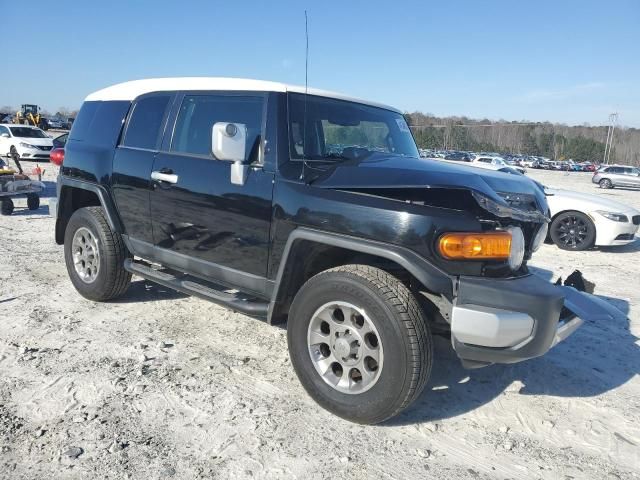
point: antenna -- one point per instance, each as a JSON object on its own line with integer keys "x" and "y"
{"x": 306, "y": 90}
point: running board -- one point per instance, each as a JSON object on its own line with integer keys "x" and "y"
{"x": 191, "y": 285}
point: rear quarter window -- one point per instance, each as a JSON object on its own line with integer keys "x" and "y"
{"x": 99, "y": 123}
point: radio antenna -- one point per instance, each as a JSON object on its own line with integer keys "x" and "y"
{"x": 306, "y": 91}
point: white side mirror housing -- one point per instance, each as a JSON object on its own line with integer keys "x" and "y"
{"x": 229, "y": 141}
{"x": 4, "y": 135}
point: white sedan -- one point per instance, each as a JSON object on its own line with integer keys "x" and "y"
{"x": 24, "y": 142}
{"x": 581, "y": 220}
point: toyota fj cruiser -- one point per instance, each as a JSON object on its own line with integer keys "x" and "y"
{"x": 311, "y": 208}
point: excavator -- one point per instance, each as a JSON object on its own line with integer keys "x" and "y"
{"x": 30, "y": 115}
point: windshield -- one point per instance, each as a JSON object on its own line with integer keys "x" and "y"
{"x": 339, "y": 130}
{"x": 26, "y": 132}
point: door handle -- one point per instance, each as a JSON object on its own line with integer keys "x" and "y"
{"x": 160, "y": 176}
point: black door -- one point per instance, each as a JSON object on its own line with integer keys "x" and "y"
{"x": 201, "y": 221}
{"x": 133, "y": 161}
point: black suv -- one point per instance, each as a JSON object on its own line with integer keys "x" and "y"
{"x": 314, "y": 209}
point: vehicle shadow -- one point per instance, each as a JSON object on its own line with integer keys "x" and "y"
{"x": 584, "y": 365}
{"x": 146, "y": 291}
{"x": 25, "y": 212}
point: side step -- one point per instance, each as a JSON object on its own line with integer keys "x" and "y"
{"x": 199, "y": 288}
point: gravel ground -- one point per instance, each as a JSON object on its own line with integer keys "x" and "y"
{"x": 160, "y": 385}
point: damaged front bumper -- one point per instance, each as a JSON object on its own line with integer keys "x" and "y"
{"x": 510, "y": 320}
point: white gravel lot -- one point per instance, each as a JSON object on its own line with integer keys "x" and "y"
{"x": 159, "y": 385}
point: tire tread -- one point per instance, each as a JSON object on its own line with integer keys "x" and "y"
{"x": 400, "y": 298}
{"x": 115, "y": 252}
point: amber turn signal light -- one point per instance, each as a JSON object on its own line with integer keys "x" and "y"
{"x": 475, "y": 246}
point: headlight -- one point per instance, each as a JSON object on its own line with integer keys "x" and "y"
{"x": 26, "y": 145}
{"x": 516, "y": 257}
{"x": 541, "y": 234}
{"x": 514, "y": 208}
{"x": 506, "y": 245}
{"x": 616, "y": 217}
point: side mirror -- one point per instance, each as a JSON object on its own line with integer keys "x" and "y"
{"x": 4, "y": 135}
{"x": 229, "y": 142}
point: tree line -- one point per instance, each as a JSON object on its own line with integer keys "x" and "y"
{"x": 551, "y": 140}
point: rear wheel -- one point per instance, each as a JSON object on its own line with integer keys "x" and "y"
{"x": 95, "y": 255}
{"x": 359, "y": 343}
{"x": 606, "y": 183}
{"x": 573, "y": 231}
{"x": 6, "y": 206}
{"x": 33, "y": 201}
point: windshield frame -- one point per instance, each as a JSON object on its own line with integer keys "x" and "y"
{"x": 388, "y": 114}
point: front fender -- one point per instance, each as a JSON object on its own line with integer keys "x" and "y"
{"x": 429, "y": 275}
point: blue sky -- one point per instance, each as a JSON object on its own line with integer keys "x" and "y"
{"x": 564, "y": 61}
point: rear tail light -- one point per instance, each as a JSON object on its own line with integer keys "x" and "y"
{"x": 57, "y": 156}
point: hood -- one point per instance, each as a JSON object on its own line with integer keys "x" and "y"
{"x": 43, "y": 142}
{"x": 391, "y": 171}
{"x": 563, "y": 199}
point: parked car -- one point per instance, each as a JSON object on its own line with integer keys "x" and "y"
{"x": 497, "y": 161}
{"x": 24, "y": 142}
{"x": 581, "y": 221}
{"x": 60, "y": 140}
{"x": 458, "y": 156}
{"x": 611, "y": 176}
{"x": 210, "y": 181}
{"x": 55, "y": 123}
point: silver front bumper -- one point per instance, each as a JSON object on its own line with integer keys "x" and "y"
{"x": 487, "y": 335}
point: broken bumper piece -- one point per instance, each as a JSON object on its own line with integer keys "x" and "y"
{"x": 510, "y": 320}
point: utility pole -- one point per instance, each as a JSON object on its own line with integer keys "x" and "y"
{"x": 613, "y": 118}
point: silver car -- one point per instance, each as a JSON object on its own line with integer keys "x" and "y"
{"x": 610, "y": 176}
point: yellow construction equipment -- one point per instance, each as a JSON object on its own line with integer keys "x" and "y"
{"x": 30, "y": 115}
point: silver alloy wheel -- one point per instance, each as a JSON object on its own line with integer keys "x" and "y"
{"x": 86, "y": 256}
{"x": 345, "y": 347}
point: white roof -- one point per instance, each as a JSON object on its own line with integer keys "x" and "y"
{"x": 135, "y": 88}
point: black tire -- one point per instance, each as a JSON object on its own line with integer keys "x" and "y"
{"x": 403, "y": 333}
{"x": 573, "y": 231}
{"x": 112, "y": 279}
{"x": 605, "y": 183}
{"x": 6, "y": 206}
{"x": 33, "y": 201}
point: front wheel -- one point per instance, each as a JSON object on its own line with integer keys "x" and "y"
{"x": 573, "y": 231}
{"x": 95, "y": 255}
{"x": 359, "y": 343}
